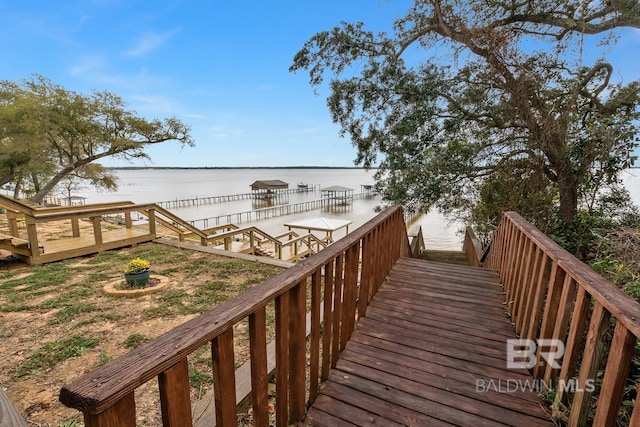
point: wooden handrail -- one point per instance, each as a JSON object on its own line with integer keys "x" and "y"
{"x": 551, "y": 295}
{"x": 416, "y": 243}
{"x": 472, "y": 248}
{"x": 342, "y": 279}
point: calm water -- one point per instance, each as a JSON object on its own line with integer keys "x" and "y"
{"x": 155, "y": 185}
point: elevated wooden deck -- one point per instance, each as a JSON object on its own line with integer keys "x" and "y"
{"x": 431, "y": 350}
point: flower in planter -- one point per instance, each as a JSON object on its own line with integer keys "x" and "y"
{"x": 137, "y": 273}
{"x": 136, "y": 265}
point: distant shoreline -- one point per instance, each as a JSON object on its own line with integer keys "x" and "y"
{"x": 232, "y": 167}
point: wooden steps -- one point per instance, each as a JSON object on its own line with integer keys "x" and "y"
{"x": 449, "y": 257}
{"x": 431, "y": 350}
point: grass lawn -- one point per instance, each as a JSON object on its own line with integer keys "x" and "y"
{"x": 56, "y": 323}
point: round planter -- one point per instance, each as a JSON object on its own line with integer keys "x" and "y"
{"x": 115, "y": 289}
{"x": 138, "y": 280}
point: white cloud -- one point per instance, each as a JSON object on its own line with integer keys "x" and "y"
{"x": 88, "y": 64}
{"x": 154, "y": 104}
{"x": 150, "y": 42}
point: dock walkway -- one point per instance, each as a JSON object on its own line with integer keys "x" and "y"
{"x": 431, "y": 350}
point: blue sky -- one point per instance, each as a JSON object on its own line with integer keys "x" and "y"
{"x": 219, "y": 66}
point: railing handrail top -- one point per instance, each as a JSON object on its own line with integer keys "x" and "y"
{"x": 45, "y": 215}
{"x": 613, "y": 299}
{"x": 100, "y": 388}
{"x": 300, "y": 238}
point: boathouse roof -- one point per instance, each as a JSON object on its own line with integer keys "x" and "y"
{"x": 273, "y": 184}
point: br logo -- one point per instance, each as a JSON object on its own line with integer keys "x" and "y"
{"x": 521, "y": 353}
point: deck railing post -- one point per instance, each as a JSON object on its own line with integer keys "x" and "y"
{"x": 550, "y": 312}
{"x": 613, "y": 383}
{"x": 224, "y": 383}
{"x": 523, "y": 283}
{"x": 259, "y": 380}
{"x": 152, "y": 222}
{"x": 97, "y": 231}
{"x": 575, "y": 340}
{"x": 328, "y": 320}
{"x": 339, "y": 310}
{"x": 529, "y": 291}
{"x": 297, "y": 351}
{"x": 121, "y": 414}
{"x": 565, "y": 310}
{"x": 32, "y": 236}
{"x": 282, "y": 360}
{"x": 314, "y": 336}
{"x": 589, "y": 366}
{"x": 365, "y": 276}
{"x": 75, "y": 227}
{"x": 175, "y": 401}
{"x": 350, "y": 289}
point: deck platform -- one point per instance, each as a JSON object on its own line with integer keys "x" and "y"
{"x": 430, "y": 351}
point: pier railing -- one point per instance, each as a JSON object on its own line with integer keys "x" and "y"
{"x": 567, "y": 313}
{"x": 208, "y": 200}
{"x": 340, "y": 281}
{"x": 271, "y": 212}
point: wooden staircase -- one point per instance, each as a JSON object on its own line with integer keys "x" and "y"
{"x": 262, "y": 251}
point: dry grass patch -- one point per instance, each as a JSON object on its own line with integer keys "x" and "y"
{"x": 56, "y": 323}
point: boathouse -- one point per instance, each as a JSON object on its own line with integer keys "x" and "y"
{"x": 337, "y": 196}
{"x": 269, "y": 188}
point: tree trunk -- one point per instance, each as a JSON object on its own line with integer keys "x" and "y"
{"x": 568, "y": 190}
{"x": 39, "y": 196}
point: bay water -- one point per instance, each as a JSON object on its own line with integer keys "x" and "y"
{"x": 160, "y": 185}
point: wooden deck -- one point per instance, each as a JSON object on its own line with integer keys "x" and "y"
{"x": 431, "y": 350}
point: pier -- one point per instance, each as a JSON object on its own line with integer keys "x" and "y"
{"x": 210, "y": 200}
{"x": 270, "y": 212}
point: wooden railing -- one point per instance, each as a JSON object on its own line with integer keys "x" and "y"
{"x": 341, "y": 280}
{"x": 551, "y": 295}
{"x": 96, "y": 241}
{"x": 298, "y": 246}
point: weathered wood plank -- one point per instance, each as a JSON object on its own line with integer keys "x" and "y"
{"x": 589, "y": 365}
{"x": 436, "y": 392}
{"x": 613, "y": 384}
{"x": 222, "y": 356}
{"x": 448, "y": 314}
{"x": 282, "y": 360}
{"x": 328, "y": 319}
{"x": 379, "y": 405}
{"x": 259, "y": 368}
{"x": 175, "y": 400}
{"x": 416, "y": 358}
{"x": 314, "y": 337}
{"x": 121, "y": 413}
{"x": 297, "y": 352}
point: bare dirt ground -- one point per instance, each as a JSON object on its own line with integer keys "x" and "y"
{"x": 42, "y": 308}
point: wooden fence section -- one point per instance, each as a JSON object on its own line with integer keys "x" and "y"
{"x": 550, "y": 295}
{"x": 341, "y": 280}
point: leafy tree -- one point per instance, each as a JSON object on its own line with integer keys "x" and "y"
{"x": 49, "y": 133}
{"x": 468, "y": 97}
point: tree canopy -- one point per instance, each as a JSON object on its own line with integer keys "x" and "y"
{"x": 469, "y": 97}
{"x": 48, "y": 133}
